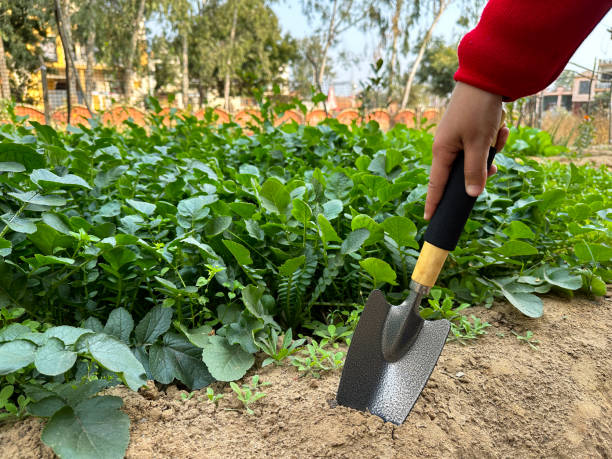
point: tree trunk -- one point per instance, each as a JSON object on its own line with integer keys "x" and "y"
{"x": 328, "y": 42}
{"x": 5, "y": 88}
{"x": 129, "y": 71}
{"x": 66, "y": 24}
{"x": 229, "y": 57}
{"x": 45, "y": 89}
{"x": 89, "y": 72}
{"x": 396, "y": 33}
{"x": 417, "y": 62}
{"x": 185, "y": 71}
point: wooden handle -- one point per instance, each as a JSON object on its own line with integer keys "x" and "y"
{"x": 429, "y": 264}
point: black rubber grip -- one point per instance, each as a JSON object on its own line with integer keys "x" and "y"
{"x": 447, "y": 223}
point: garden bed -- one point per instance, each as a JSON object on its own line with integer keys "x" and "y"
{"x": 496, "y": 398}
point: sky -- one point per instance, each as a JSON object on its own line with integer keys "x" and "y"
{"x": 598, "y": 44}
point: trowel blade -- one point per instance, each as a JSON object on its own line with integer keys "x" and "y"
{"x": 388, "y": 390}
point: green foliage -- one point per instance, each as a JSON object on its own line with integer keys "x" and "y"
{"x": 269, "y": 344}
{"x": 464, "y": 329}
{"x": 212, "y": 397}
{"x": 314, "y": 359}
{"x": 438, "y": 66}
{"x": 249, "y": 393}
{"x": 528, "y": 338}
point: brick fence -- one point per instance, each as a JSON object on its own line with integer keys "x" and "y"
{"x": 118, "y": 114}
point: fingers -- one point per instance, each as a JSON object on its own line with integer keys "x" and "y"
{"x": 443, "y": 158}
{"x": 502, "y": 137}
{"x": 475, "y": 167}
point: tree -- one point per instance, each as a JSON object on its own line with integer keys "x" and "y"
{"x": 438, "y": 67}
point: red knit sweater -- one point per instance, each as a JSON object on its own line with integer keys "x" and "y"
{"x": 519, "y": 47}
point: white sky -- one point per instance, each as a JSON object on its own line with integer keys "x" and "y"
{"x": 597, "y": 46}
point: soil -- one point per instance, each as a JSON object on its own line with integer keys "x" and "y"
{"x": 596, "y": 156}
{"x": 497, "y": 397}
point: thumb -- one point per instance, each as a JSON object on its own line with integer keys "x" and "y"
{"x": 475, "y": 167}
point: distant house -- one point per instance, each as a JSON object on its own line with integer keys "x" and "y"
{"x": 584, "y": 88}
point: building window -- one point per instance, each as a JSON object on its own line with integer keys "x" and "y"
{"x": 584, "y": 87}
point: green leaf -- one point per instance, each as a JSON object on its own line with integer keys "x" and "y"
{"x": 15, "y": 355}
{"x": 44, "y": 260}
{"x": 194, "y": 208}
{"x": 252, "y": 299}
{"x": 592, "y": 252}
{"x": 561, "y": 277}
{"x": 48, "y": 179}
{"x": 354, "y": 241}
{"x": 328, "y": 233}
{"x": 177, "y": 358}
{"x": 217, "y": 225}
{"x": 331, "y": 209}
{"x": 402, "y": 230}
{"x": 224, "y": 361}
{"x": 598, "y": 286}
{"x": 240, "y": 252}
{"x": 254, "y": 230}
{"x": 5, "y": 247}
{"x": 119, "y": 324}
{"x": 33, "y": 197}
{"x": 197, "y": 336}
{"x": 365, "y": 221}
{"x": 518, "y": 230}
{"x": 53, "y": 359}
{"x": 291, "y": 266}
{"x": 119, "y": 256}
{"x": 515, "y": 248}
{"x": 155, "y": 323}
{"x": 527, "y": 303}
{"x": 19, "y": 224}
{"x": 11, "y": 167}
{"x": 243, "y": 209}
{"x": 65, "y": 333}
{"x": 144, "y": 207}
{"x": 301, "y": 211}
{"x": 13, "y": 332}
{"x": 274, "y": 196}
{"x": 22, "y": 154}
{"x": 116, "y": 356}
{"x": 94, "y": 429}
{"x": 380, "y": 271}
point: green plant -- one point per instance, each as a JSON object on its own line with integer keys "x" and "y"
{"x": 314, "y": 359}
{"x": 10, "y": 410}
{"x": 269, "y": 345}
{"x": 464, "y": 329}
{"x": 528, "y": 338}
{"x": 249, "y": 394}
{"x": 212, "y": 397}
{"x": 189, "y": 396}
{"x": 444, "y": 310}
{"x": 331, "y": 334}
{"x": 586, "y": 134}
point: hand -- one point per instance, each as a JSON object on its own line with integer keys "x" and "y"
{"x": 470, "y": 123}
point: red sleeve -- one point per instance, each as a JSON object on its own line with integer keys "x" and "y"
{"x": 519, "y": 47}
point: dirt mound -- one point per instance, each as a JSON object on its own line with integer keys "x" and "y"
{"x": 497, "y": 398}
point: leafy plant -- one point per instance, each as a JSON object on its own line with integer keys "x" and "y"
{"x": 444, "y": 310}
{"x": 528, "y": 338}
{"x": 314, "y": 359}
{"x": 212, "y": 397}
{"x": 464, "y": 329}
{"x": 249, "y": 394}
{"x": 331, "y": 334}
{"x": 276, "y": 354}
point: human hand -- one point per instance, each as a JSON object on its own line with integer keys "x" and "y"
{"x": 470, "y": 123}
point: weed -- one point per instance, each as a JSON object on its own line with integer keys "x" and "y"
{"x": 465, "y": 330}
{"x": 444, "y": 310}
{"x": 248, "y": 394}
{"x": 331, "y": 334}
{"x": 317, "y": 359}
{"x": 212, "y": 397}
{"x": 528, "y": 338}
{"x": 269, "y": 345}
{"x": 185, "y": 397}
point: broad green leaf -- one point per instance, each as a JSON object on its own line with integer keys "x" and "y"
{"x": 402, "y": 230}
{"x": 331, "y": 209}
{"x": 44, "y": 260}
{"x": 145, "y": 207}
{"x": 380, "y": 271}
{"x": 240, "y": 252}
{"x": 119, "y": 324}
{"x": 274, "y": 196}
{"x": 518, "y": 230}
{"x": 15, "y": 355}
{"x": 252, "y": 298}
{"x": 65, "y": 333}
{"x": 5, "y": 247}
{"x": 116, "y": 356}
{"x": 119, "y": 256}
{"x": 53, "y": 359}
{"x": 562, "y": 277}
{"x": 19, "y": 224}
{"x": 22, "y": 154}
{"x": 515, "y": 248}
{"x": 194, "y": 208}
{"x": 205, "y": 247}
{"x": 338, "y": 186}
{"x": 592, "y": 252}
{"x": 365, "y": 221}
{"x": 177, "y": 358}
{"x": 11, "y": 167}
{"x": 243, "y": 209}
{"x": 156, "y": 322}
{"x": 328, "y": 233}
{"x": 217, "y": 225}
{"x": 197, "y": 336}
{"x": 48, "y": 179}
{"x": 224, "y": 361}
{"x": 291, "y": 266}
{"x": 33, "y": 197}
{"x": 598, "y": 286}
{"x": 527, "y": 303}
{"x": 13, "y": 332}
{"x": 94, "y": 429}
{"x": 354, "y": 241}
{"x": 301, "y": 211}
{"x": 254, "y": 230}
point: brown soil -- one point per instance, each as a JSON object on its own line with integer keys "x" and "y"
{"x": 597, "y": 155}
{"x": 495, "y": 398}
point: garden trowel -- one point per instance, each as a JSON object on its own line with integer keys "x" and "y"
{"x": 393, "y": 350}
